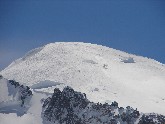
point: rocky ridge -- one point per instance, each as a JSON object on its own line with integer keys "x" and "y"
{"x": 72, "y": 107}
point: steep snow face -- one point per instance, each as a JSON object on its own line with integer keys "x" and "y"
{"x": 103, "y": 73}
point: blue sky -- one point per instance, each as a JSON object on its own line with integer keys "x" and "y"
{"x": 133, "y": 26}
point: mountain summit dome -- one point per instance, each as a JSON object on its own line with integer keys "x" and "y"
{"x": 103, "y": 73}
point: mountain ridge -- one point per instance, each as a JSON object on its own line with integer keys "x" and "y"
{"x": 40, "y": 48}
{"x": 117, "y": 75}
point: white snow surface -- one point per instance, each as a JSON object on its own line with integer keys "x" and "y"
{"x": 12, "y": 118}
{"x": 118, "y": 76}
{"x": 8, "y": 93}
{"x": 44, "y": 84}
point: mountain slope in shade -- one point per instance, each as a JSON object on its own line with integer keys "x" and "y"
{"x": 103, "y": 73}
{"x": 14, "y": 98}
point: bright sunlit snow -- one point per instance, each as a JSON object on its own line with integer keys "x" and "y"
{"x": 103, "y": 73}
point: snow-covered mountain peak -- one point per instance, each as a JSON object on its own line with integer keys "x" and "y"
{"x": 103, "y": 73}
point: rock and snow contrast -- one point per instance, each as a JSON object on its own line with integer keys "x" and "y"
{"x": 14, "y": 97}
{"x": 104, "y": 74}
{"x": 71, "y": 107}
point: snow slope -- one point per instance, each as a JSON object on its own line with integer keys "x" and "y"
{"x": 103, "y": 73}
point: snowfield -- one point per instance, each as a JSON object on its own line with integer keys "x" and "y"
{"x": 103, "y": 73}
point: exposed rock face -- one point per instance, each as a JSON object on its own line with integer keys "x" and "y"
{"x": 24, "y": 91}
{"x": 152, "y": 119}
{"x": 71, "y": 107}
{"x": 65, "y": 106}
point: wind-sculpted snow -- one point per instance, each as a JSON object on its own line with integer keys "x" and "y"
{"x": 14, "y": 98}
{"x": 96, "y": 70}
{"x": 31, "y": 53}
{"x": 71, "y": 107}
{"x": 128, "y": 60}
{"x": 44, "y": 84}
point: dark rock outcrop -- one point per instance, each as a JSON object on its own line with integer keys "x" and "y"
{"x": 152, "y": 118}
{"x": 64, "y": 106}
{"x": 71, "y": 107}
{"x": 24, "y": 91}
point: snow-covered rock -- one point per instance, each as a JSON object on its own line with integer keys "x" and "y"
{"x": 72, "y": 107}
{"x": 14, "y": 98}
{"x": 118, "y": 76}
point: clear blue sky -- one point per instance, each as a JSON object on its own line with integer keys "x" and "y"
{"x": 133, "y": 26}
